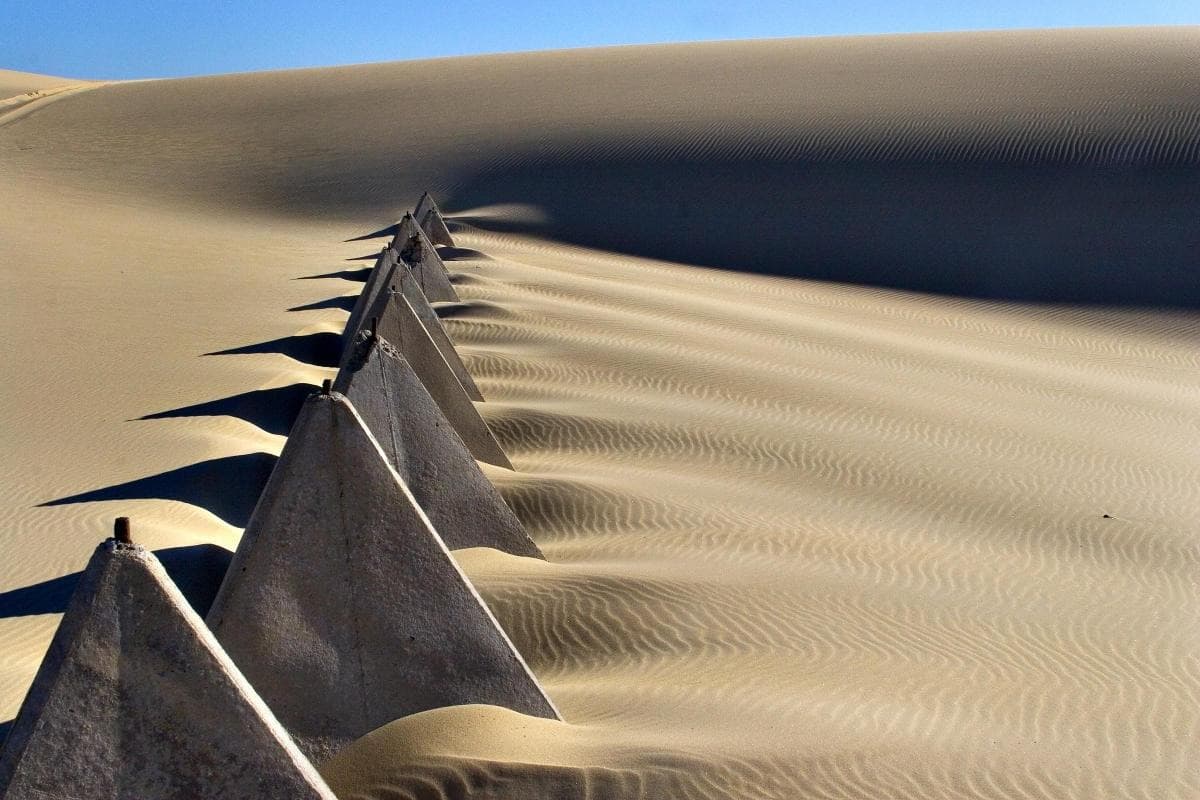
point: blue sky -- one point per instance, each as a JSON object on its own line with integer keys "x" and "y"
{"x": 137, "y": 39}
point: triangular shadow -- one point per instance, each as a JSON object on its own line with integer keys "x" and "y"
{"x": 227, "y": 487}
{"x": 357, "y": 275}
{"x": 390, "y": 230}
{"x": 449, "y": 253}
{"x": 345, "y": 303}
{"x": 322, "y": 349}
{"x": 273, "y": 410}
{"x": 196, "y": 569}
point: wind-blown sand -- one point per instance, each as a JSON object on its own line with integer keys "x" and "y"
{"x": 810, "y": 532}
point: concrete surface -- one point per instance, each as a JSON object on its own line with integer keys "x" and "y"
{"x": 378, "y": 279}
{"x": 342, "y": 605}
{"x": 398, "y": 323}
{"x": 429, "y": 217}
{"x": 135, "y": 699}
{"x": 404, "y": 280}
{"x": 463, "y": 505}
{"x": 415, "y": 249}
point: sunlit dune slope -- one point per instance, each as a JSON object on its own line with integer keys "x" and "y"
{"x": 851, "y": 386}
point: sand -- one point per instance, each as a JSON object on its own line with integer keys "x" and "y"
{"x": 839, "y": 496}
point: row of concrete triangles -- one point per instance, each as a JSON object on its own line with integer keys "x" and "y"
{"x": 342, "y": 607}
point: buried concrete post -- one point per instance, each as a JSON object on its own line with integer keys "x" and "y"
{"x": 135, "y": 698}
{"x": 399, "y": 324}
{"x": 343, "y": 606}
{"x": 429, "y": 217}
{"x": 463, "y": 505}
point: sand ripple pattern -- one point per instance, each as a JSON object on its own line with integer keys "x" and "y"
{"x": 813, "y": 541}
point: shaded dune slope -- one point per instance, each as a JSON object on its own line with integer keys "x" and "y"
{"x": 805, "y": 539}
{"x": 1044, "y": 166}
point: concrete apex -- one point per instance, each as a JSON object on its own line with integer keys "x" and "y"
{"x": 429, "y": 217}
{"x": 422, "y": 446}
{"x": 414, "y": 248}
{"x": 343, "y": 606}
{"x": 135, "y": 698}
{"x": 399, "y": 324}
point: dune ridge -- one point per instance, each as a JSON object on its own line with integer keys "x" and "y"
{"x": 811, "y": 534}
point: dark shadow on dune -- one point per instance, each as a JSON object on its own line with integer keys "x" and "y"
{"x": 358, "y": 275}
{"x": 461, "y": 254}
{"x": 319, "y": 349}
{"x": 390, "y": 230}
{"x": 1053, "y": 232}
{"x": 227, "y": 487}
{"x": 197, "y": 570}
{"x": 5, "y": 727}
{"x": 344, "y": 303}
{"x": 370, "y": 257}
{"x": 273, "y": 410}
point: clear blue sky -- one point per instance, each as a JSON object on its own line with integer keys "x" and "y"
{"x": 140, "y": 39}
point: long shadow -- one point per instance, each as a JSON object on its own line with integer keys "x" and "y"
{"x": 345, "y": 303}
{"x": 358, "y": 275}
{"x": 322, "y": 349}
{"x": 390, "y": 230}
{"x": 227, "y": 487}
{"x": 461, "y": 254}
{"x": 1121, "y": 235}
{"x": 273, "y": 410}
{"x": 196, "y": 569}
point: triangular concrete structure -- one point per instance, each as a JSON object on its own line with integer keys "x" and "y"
{"x": 429, "y": 217}
{"x": 415, "y": 249}
{"x": 406, "y": 282}
{"x": 379, "y": 278}
{"x": 135, "y": 699}
{"x": 342, "y": 605}
{"x": 429, "y": 456}
{"x": 397, "y": 322}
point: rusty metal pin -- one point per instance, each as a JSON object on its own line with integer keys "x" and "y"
{"x": 121, "y": 530}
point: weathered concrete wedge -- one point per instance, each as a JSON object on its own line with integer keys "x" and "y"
{"x": 415, "y": 249}
{"x": 429, "y": 217}
{"x": 342, "y": 604}
{"x": 135, "y": 698}
{"x": 406, "y": 282}
{"x": 429, "y": 456}
{"x": 395, "y": 320}
{"x": 379, "y": 278}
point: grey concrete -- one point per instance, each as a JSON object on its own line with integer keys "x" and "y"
{"x": 404, "y": 280}
{"x": 343, "y": 606}
{"x": 429, "y": 217}
{"x": 398, "y": 323}
{"x": 135, "y": 699}
{"x": 429, "y": 456}
{"x": 415, "y": 249}
{"x": 379, "y": 278}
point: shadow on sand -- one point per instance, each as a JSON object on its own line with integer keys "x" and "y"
{"x": 227, "y": 487}
{"x": 322, "y": 349}
{"x": 197, "y": 570}
{"x": 273, "y": 410}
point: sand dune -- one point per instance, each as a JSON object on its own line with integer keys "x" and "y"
{"x": 809, "y": 531}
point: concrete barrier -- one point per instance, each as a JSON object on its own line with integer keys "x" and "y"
{"x": 343, "y": 606}
{"x": 392, "y": 317}
{"x": 136, "y": 699}
{"x": 429, "y": 217}
{"x": 406, "y": 282}
{"x": 415, "y": 249}
{"x": 422, "y": 446}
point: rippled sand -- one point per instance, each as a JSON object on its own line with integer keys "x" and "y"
{"x": 805, "y": 538}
